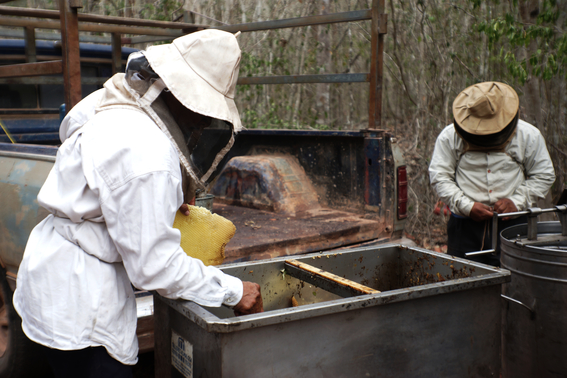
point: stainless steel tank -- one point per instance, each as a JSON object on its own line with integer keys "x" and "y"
{"x": 534, "y": 329}
{"x": 426, "y": 315}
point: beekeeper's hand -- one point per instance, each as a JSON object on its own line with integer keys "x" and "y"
{"x": 251, "y": 301}
{"x": 480, "y": 212}
{"x": 504, "y": 206}
{"x": 184, "y": 209}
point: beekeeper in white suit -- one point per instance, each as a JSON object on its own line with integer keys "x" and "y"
{"x": 129, "y": 160}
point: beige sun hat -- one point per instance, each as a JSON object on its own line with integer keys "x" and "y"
{"x": 485, "y": 108}
{"x": 201, "y": 70}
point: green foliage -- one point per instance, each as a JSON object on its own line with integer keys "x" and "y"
{"x": 514, "y": 36}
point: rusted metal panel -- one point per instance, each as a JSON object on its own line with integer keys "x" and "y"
{"x": 70, "y": 53}
{"x": 262, "y": 234}
{"x": 304, "y": 79}
{"x": 359, "y": 15}
{"x": 32, "y": 69}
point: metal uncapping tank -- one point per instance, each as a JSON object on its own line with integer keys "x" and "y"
{"x": 426, "y": 315}
{"x": 534, "y": 329}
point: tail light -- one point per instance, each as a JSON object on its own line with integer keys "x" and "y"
{"x": 402, "y": 192}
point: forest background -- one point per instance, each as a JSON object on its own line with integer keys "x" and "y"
{"x": 433, "y": 50}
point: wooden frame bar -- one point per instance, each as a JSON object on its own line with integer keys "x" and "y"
{"x": 326, "y": 280}
{"x": 31, "y": 52}
{"x": 376, "y": 65}
{"x": 32, "y": 69}
{"x": 70, "y": 54}
{"x": 99, "y": 19}
{"x": 41, "y": 24}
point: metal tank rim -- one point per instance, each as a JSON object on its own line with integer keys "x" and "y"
{"x": 211, "y": 323}
{"x": 534, "y": 255}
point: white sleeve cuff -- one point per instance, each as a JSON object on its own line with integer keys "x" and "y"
{"x": 234, "y": 291}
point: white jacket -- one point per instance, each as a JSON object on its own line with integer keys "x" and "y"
{"x": 113, "y": 194}
{"x": 523, "y": 172}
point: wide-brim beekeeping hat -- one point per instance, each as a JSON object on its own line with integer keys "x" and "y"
{"x": 486, "y": 108}
{"x": 201, "y": 70}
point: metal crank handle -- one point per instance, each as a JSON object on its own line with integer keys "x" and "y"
{"x": 531, "y": 310}
{"x": 484, "y": 252}
{"x": 494, "y": 237}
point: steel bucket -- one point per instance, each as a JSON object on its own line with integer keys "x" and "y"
{"x": 534, "y": 329}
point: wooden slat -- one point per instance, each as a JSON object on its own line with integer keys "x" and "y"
{"x": 326, "y": 280}
{"x": 31, "y": 51}
{"x": 50, "y": 80}
{"x": 100, "y": 19}
{"x": 70, "y": 53}
{"x": 41, "y": 24}
{"x": 32, "y": 69}
{"x": 116, "y": 53}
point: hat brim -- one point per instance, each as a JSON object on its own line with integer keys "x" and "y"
{"x": 486, "y": 125}
{"x": 189, "y": 88}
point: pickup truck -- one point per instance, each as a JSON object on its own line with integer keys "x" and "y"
{"x": 287, "y": 192}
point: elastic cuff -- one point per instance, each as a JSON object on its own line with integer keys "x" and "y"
{"x": 465, "y": 210}
{"x": 520, "y": 202}
{"x": 234, "y": 291}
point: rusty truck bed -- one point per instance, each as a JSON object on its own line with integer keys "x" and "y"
{"x": 262, "y": 234}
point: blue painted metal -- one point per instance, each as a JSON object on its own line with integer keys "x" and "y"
{"x": 372, "y": 178}
{"x": 26, "y": 111}
{"x": 46, "y": 138}
{"x": 50, "y": 48}
{"x": 302, "y": 133}
{"x": 31, "y": 125}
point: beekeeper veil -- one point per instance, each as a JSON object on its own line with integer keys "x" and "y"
{"x": 200, "y": 70}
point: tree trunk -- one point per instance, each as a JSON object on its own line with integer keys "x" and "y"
{"x": 322, "y": 98}
{"x": 529, "y": 10}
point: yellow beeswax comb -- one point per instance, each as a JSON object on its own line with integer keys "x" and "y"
{"x": 204, "y": 234}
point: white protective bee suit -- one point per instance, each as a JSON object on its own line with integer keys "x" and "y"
{"x": 113, "y": 193}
